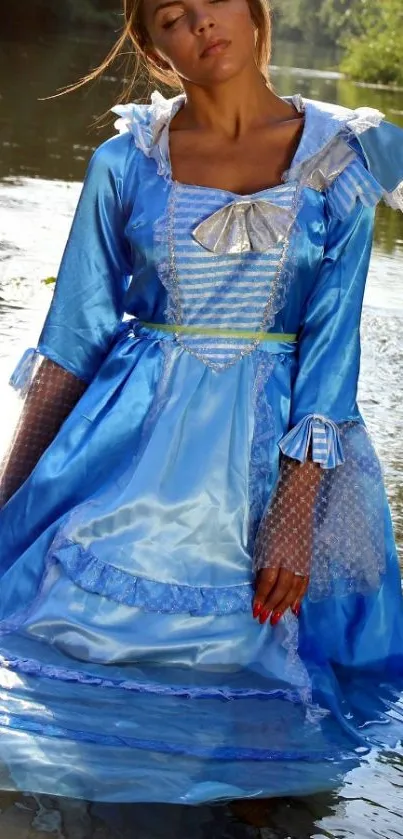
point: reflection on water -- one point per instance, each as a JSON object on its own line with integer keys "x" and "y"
{"x": 44, "y": 147}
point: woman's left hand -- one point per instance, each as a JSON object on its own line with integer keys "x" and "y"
{"x": 277, "y": 590}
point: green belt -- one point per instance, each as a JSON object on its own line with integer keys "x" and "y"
{"x": 212, "y": 332}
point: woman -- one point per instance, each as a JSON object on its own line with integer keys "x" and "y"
{"x": 180, "y": 477}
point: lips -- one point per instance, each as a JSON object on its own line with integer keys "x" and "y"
{"x": 215, "y": 47}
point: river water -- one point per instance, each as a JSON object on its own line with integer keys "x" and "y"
{"x": 44, "y": 148}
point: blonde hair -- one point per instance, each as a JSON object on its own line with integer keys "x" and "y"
{"x": 134, "y": 33}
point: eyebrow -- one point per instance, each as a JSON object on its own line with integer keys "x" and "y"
{"x": 166, "y": 5}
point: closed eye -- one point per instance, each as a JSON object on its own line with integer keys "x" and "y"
{"x": 168, "y": 24}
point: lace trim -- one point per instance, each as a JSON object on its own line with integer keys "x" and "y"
{"x": 395, "y": 199}
{"x": 286, "y": 272}
{"x": 32, "y": 667}
{"x": 260, "y": 471}
{"x": 149, "y": 125}
{"x": 295, "y": 670}
{"x": 320, "y": 432}
{"x": 164, "y": 251}
{"x": 363, "y": 119}
{"x": 98, "y": 577}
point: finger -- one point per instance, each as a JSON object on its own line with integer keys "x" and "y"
{"x": 303, "y": 586}
{"x": 283, "y": 585}
{"x": 266, "y": 579}
{"x": 286, "y": 603}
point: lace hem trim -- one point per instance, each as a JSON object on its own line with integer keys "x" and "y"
{"x": 93, "y": 575}
{"x": 320, "y": 432}
{"x": 32, "y": 667}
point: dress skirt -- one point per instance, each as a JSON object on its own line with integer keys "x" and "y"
{"x": 131, "y": 666}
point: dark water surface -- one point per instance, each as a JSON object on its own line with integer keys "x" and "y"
{"x": 44, "y": 148}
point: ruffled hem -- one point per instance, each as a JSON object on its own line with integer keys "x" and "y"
{"x": 93, "y": 575}
{"x": 320, "y": 432}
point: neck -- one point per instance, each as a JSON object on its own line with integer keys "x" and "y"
{"x": 233, "y": 107}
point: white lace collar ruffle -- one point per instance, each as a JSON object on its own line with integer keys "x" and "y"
{"x": 149, "y": 125}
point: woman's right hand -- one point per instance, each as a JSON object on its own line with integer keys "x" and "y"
{"x": 278, "y": 589}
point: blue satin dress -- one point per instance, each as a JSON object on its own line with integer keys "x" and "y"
{"x": 215, "y": 331}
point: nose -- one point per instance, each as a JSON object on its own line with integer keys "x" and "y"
{"x": 202, "y": 21}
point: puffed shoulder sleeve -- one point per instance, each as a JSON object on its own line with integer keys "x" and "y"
{"x": 87, "y": 305}
{"x": 382, "y": 147}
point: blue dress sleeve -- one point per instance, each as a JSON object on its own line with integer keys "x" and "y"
{"x": 325, "y": 389}
{"x": 88, "y": 301}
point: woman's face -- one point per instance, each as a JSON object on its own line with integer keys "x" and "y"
{"x": 205, "y": 41}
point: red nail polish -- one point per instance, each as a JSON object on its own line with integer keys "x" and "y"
{"x": 276, "y": 616}
{"x": 296, "y": 610}
{"x": 264, "y": 615}
{"x": 257, "y": 609}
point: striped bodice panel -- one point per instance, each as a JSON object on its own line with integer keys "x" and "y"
{"x": 230, "y": 291}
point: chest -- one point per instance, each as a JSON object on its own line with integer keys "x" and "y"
{"x": 205, "y": 279}
{"x": 243, "y": 166}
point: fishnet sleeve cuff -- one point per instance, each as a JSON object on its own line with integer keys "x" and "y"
{"x": 22, "y": 376}
{"x": 27, "y": 367}
{"x": 316, "y": 436}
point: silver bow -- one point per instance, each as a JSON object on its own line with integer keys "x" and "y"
{"x": 244, "y": 225}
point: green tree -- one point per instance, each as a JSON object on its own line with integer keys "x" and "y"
{"x": 376, "y": 55}
{"x": 316, "y": 21}
{"x": 340, "y": 18}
